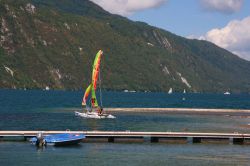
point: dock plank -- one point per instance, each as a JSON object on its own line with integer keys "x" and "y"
{"x": 130, "y": 134}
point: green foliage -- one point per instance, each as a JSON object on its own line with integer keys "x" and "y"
{"x": 56, "y": 45}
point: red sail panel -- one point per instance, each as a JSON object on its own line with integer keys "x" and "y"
{"x": 96, "y": 69}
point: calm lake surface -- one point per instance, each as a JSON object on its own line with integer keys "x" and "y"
{"x": 54, "y": 110}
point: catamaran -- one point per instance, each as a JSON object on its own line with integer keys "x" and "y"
{"x": 95, "y": 111}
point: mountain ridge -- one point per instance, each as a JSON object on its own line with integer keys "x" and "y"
{"x": 53, "y": 43}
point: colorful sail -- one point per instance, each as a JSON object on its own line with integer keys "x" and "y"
{"x": 95, "y": 74}
{"x": 96, "y": 68}
{"x": 93, "y": 85}
{"x": 94, "y": 102}
{"x": 86, "y": 94}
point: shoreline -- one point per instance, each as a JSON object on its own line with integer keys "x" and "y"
{"x": 181, "y": 110}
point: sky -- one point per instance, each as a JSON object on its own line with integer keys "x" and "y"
{"x": 223, "y": 22}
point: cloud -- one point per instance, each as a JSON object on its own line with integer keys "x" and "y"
{"x": 127, "y": 7}
{"x": 223, "y": 6}
{"x": 235, "y": 37}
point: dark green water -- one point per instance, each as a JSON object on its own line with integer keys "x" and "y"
{"x": 125, "y": 154}
{"x": 54, "y": 110}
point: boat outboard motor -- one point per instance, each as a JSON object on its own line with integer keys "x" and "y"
{"x": 40, "y": 141}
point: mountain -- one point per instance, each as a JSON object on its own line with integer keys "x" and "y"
{"x": 53, "y": 43}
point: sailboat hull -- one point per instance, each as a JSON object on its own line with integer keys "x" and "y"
{"x": 93, "y": 115}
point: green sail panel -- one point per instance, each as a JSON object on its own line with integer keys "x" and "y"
{"x": 86, "y": 94}
{"x": 94, "y": 102}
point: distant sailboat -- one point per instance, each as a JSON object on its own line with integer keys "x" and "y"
{"x": 170, "y": 91}
{"x": 184, "y": 92}
{"x": 227, "y": 93}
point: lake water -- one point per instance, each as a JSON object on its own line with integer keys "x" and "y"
{"x": 54, "y": 110}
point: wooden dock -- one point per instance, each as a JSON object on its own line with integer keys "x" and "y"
{"x": 129, "y": 136}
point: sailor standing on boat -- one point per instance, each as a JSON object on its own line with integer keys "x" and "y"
{"x": 100, "y": 111}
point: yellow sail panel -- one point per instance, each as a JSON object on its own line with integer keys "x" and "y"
{"x": 86, "y": 94}
{"x": 96, "y": 68}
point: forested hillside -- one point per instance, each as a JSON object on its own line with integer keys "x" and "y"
{"x": 53, "y": 43}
